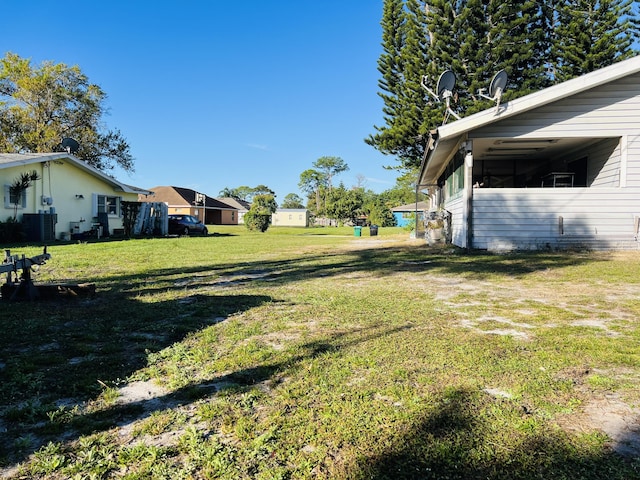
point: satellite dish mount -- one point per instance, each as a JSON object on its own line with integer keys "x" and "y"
{"x": 497, "y": 86}
{"x": 444, "y": 92}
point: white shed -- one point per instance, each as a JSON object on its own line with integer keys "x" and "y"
{"x": 559, "y": 168}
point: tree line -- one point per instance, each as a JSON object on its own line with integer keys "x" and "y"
{"x": 328, "y": 203}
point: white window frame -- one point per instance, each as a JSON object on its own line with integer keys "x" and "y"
{"x": 98, "y": 204}
{"x": 7, "y": 199}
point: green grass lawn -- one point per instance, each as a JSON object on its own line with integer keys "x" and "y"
{"x": 312, "y": 353}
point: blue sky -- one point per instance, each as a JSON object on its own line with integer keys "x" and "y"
{"x": 213, "y": 94}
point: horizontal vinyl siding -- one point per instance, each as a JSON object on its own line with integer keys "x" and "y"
{"x": 633, "y": 160}
{"x": 604, "y": 164}
{"x": 528, "y": 219}
{"x": 606, "y": 111}
{"x": 455, "y": 207}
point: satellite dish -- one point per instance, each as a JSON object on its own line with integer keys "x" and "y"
{"x": 445, "y": 85}
{"x": 498, "y": 84}
{"x": 444, "y": 91}
{"x": 70, "y": 145}
{"x": 496, "y": 87}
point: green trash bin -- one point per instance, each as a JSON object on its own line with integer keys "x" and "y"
{"x": 357, "y": 231}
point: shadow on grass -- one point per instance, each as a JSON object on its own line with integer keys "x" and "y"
{"x": 451, "y": 444}
{"x": 61, "y": 354}
{"x": 238, "y": 381}
{"x": 371, "y": 262}
{"x": 57, "y": 354}
{"x": 28, "y": 425}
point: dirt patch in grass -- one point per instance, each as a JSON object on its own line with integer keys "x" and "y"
{"x": 612, "y": 416}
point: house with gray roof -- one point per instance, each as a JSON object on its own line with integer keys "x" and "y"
{"x": 69, "y": 197}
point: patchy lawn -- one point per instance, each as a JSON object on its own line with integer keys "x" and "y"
{"x": 294, "y": 355}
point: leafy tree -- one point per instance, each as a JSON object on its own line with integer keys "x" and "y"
{"x": 329, "y": 167}
{"x": 246, "y": 193}
{"x": 39, "y": 106}
{"x": 344, "y": 205}
{"x": 378, "y": 213}
{"x": 259, "y": 215}
{"x": 312, "y": 182}
{"x": 291, "y": 200}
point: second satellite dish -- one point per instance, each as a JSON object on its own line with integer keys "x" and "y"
{"x": 496, "y": 87}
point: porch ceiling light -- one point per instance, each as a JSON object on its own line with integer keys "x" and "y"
{"x": 527, "y": 141}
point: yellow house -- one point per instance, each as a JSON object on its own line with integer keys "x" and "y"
{"x": 290, "y": 217}
{"x": 70, "y": 197}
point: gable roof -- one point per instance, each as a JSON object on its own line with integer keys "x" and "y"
{"x": 8, "y": 160}
{"x": 236, "y": 203}
{"x": 449, "y": 136}
{"x": 186, "y": 196}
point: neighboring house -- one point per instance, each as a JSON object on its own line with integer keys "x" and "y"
{"x": 186, "y": 201}
{"x": 559, "y": 168}
{"x": 70, "y": 197}
{"x": 242, "y": 206}
{"x": 290, "y": 217}
{"x": 404, "y": 214}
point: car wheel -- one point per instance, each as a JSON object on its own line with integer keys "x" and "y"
{"x": 205, "y": 232}
{"x": 185, "y": 231}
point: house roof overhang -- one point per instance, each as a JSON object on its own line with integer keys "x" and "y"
{"x": 448, "y": 138}
{"x": 8, "y": 160}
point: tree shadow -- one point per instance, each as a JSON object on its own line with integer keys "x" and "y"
{"x": 451, "y": 443}
{"x": 31, "y": 420}
{"x": 64, "y": 353}
{"x": 375, "y": 262}
{"x": 57, "y": 354}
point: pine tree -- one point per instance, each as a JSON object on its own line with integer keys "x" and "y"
{"x": 537, "y": 42}
{"x": 591, "y": 34}
{"x": 402, "y": 65}
{"x": 391, "y": 71}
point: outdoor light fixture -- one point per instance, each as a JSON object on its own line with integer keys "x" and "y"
{"x": 79, "y": 196}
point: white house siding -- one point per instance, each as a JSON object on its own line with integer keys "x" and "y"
{"x": 529, "y": 219}
{"x": 633, "y": 152}
{"x": 455, "y": 207}
{"x": 602, "y": 112}
{"x": 604, "y": 162}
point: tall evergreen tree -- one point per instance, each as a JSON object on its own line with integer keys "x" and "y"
{"x": 391, "y": 71}
{"x": 402, "y": 64}
{"x": 591, "y": 34}
{"x": 537, "y": 42}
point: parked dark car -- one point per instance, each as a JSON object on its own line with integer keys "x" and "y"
{"x": 186, "y": 225}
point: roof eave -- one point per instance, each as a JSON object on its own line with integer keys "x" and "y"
{"x": 454, "y": 132}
